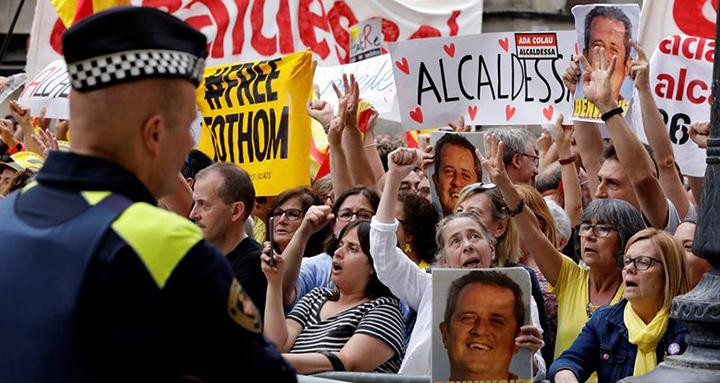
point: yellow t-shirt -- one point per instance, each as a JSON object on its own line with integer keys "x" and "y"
{"x": 571, "y": 290}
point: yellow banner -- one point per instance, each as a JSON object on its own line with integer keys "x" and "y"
{"x": 254, "y": 116}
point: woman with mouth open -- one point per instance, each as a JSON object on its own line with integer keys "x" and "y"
{"x": 606, "y": 225}
{"x": 357, "y": 326}
{"x": 462, "y": 242}
{"x": 633, "y": 336}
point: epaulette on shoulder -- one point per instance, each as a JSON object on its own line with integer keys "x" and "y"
{"x": 159, "y": 237}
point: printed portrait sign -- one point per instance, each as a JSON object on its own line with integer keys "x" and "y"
{"x": 366, "y": 39}
{"x": 253, "y": 115}
{"x": 492, "y": 79}
{"x": 49, "y": 90}
{"x": 457, "y": 165}
{"x": 680, "y": 73}
{"x": 477, "y": 314}
{"x": 612, "y": 27}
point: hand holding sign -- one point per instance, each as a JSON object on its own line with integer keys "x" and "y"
{"x": 563, "y": 137}
{"x": 640, "y": 70}
{"x": 596, "y": 80}
{"x": 572, "y": 74}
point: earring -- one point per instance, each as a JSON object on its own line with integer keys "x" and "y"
{"x": 407, "y": 249}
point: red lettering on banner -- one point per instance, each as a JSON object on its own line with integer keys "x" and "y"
{"x": 307, "y": 21}
{"x": 390, "y": 30}
{"x": 266, "y": 46}
{"x": 340, "y": 10}
{"x": 666, "y": 88}
{"x": 690, "y": 47}
{"x": 688, "y": 15}
{"x": 452, "y": 23}
{"x": 425, "y": 31}
{"x": 238, "y": 32}
{"x": 285, "y": 28}
{"x": 220, "y": 16}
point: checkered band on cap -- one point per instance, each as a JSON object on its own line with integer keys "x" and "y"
{"x": 99, "y": 72}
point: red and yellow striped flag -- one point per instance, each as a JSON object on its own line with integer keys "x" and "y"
{"x": 72, "y": 11}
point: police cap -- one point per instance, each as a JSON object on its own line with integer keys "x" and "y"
{"x": 131, "y": 43}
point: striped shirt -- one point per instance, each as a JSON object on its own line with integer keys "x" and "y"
{"x": 380, "y": 318}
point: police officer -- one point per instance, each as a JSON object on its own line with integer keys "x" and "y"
{"x": 97, "y": 284}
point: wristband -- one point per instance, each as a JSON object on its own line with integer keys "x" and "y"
{"x": 568, "y": 161}
{"x": 606, "y": 116}
{"x": 334, "y": 360}
{"x": 517, "y": 210}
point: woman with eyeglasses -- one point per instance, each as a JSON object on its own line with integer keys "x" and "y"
{"x": 606, "y": 226}
{"x": 630, "y": 338}
{"x": 303, "y": 274}
{"x": 462, "y": 242}
{"x": 288, "y": 210}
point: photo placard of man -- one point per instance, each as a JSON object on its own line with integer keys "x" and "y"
{"x": 612, "y": 28}
{"x": 456, "y": 165}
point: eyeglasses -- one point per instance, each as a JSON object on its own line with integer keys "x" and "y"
{"x": 599, "y": 229}
{"x": 478, "y": 186}
{"x": 641, "y": 263}
{"x": 345, "y": 215}
{"x": 291, "y": 214}
{"x": 536, "y": 158}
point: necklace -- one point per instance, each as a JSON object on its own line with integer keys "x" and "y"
{"x": 589, "y": 307}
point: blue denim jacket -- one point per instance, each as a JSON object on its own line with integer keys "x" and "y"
{"x": 603, "y": 346}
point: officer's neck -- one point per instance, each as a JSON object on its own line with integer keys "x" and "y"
{"x": 232, "y": 239}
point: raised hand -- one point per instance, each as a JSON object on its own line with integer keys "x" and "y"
{"x": 544, "y": 141}
{"x": 596, "y": 80}
{"x": 493, "y": 164}
{"x": 6, "y": 133}
{"x": 45, "y": 140}
{"x": 699, "y": 133}
{"x": 640, "y": 69}
{"x": 351, "y": 95}
{"x": 458, "y": 125}
{"x": 21, "y": 115}
{"x": 317, "y": 217}
{"x": 337, "y": 125}
{"x": 321, "y": 111}
{"x": 572, "y": 74}
{"x": 563, "y": 136}
{"x": 529, "y": 338}
{"x": 402, "y": 161}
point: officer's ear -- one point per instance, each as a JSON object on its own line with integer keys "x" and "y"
{"x": 152, "y": 132}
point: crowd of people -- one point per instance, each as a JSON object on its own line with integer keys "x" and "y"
{"x": 184, "y": 274}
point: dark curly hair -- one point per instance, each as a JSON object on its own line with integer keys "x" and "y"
{"x": 421, "y": 219}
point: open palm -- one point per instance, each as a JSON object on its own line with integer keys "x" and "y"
{"x": 596, "y": 77}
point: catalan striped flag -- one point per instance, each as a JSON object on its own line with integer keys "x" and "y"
{"x": 72, "y": 11}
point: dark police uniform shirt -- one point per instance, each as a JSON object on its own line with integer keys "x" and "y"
{"x": 138, "y": 321}
{"x": 245, "y": 262}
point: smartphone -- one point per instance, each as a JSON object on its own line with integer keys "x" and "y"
{"x": 271, "y": 229}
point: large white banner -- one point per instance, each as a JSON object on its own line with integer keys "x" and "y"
{"x": 48, "y": 90}
{"x": 681, "y": 78}
{"x": 249, "y": 30}
{"x": 662, "y": 18}
{"x": 504, "y": 78}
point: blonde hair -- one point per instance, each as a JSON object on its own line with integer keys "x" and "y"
{"x": 507, "y": 247}
{"x": 672, "y": 255}
{"x": 535, "y": 201}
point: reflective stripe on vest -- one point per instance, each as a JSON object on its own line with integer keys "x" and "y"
{"x": 159, "y": 237}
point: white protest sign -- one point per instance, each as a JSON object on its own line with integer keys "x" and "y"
{"x": 680, "y": 80}
{"x": 662, "y": 18}
{"x": 611, "y": 27}
{"x": 366, "y": 39}
{"x": 491, "y": 79}
{"x": 374, "y": 77}
{"x": 49, "y": 90}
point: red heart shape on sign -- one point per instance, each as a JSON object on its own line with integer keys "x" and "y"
{"x": 417, "y": 115}
{"x": 450, "y": 49}
{"x": 509, "y": 112}
{"x": 472, "y": 111}
{"x": 548, "y": 112}
{"x": 504, "y": 44}
{"x": 403, "y": 66}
